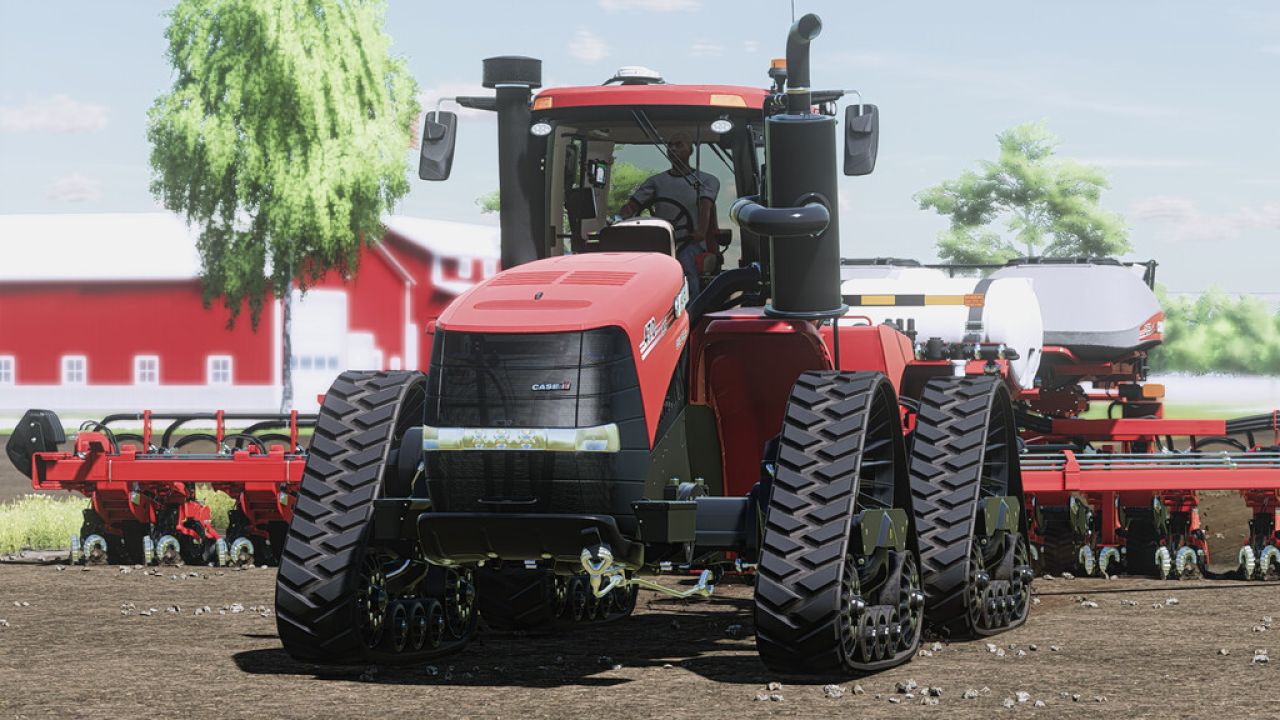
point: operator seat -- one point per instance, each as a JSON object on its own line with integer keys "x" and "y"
{"x": 636, "y": 235}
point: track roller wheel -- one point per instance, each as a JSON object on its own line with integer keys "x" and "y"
{"x": 336, "y": 591}
{"x": 418, "y": 625}
{"x": 967, "y": 492}
{"x": 435, "y": 623}
{"x": 838, "y": 586}
{"x": 579, "y": 603}
{"x": 398, "y": 628}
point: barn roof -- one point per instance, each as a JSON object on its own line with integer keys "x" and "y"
{"x": 161, "y": 246}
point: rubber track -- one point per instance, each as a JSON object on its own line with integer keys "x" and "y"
{"x": 514, "y": 598}
{"x": 798, "y": 580}
{"x": 326, "y": 540}
{"x": 947, "y": 453}
{"x": 1060, "y": 549}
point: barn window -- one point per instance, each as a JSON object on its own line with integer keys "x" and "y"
{"x": 146, "y": 370}
{"x": 7, "y": 373}
{"x": 219, "y": 369}
{"x": 74, "y": 369}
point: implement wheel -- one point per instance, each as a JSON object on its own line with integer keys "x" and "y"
{"x": 838, "y": 585}
{"x": 338, "y": 594}
{"x": 967, "y": 490}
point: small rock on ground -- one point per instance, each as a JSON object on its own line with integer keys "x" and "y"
{"x": 970, "y": 694}
{"x": 835, "y": 692}
{"x": 907, "y": 686}
{"x": 1023, "y": 696}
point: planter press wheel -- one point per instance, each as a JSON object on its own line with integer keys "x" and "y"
{"x": 964, "y": 466}
{"x": 337, "y": 593}
{"x": 831, "y": 598}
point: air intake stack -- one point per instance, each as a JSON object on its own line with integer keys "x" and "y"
{"x": 799, "y": 214}
{"x": 514, "y": 78}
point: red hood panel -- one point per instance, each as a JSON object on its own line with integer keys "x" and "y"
{"x": 573, "y": 292}
{"x": 638, "y": 292}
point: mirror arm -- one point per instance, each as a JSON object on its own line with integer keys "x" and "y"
{"x": 476, "y": 102}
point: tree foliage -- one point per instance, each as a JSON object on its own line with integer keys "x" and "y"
{"x": 283, "y": 138}
{"x": 1218, "y": 333}
{"x": 623, "y": 180}
{"x": 1047, "y": 205}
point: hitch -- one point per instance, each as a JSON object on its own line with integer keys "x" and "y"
{"x": 597, "y": 561}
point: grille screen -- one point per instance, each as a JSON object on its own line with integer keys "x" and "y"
{"x": 573, "y": 379}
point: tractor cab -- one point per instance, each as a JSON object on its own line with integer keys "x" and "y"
{"x": 602, "y": 143}
{"x": 570, "y": 159}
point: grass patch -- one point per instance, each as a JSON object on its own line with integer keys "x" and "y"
{"x": 47, "y": 522}
{"x": 40, "y": 522}
{"x": 219, "y": 504}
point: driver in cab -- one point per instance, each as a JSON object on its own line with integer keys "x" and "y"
{"x": 683, "y": 197}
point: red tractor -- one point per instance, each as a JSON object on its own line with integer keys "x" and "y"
{"x": 588, "y": 423}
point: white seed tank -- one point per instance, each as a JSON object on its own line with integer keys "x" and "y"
{"x": 1007, "y": 312}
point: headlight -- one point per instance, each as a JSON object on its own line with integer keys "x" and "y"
{"x": 601, "y": 438}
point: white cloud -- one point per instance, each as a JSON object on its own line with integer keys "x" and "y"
{"x": 1129, "y": 161}
{"x": 750, "y": 45}
{"x": 75, "y": 188}
{"x": 58, "y": 113}
{"x": 661, "y": 6}
{"x": 587, "y": 46}
{"x": 1185, "y": 221}
{"x": 1001, "y": 83}
{"x": 706, "y": 49}
{"x": 1271, "y": 49}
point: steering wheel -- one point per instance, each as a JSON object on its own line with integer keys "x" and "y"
{"x": 682, "y": 226}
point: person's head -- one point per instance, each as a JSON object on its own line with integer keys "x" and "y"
{"x": 680, "y": 147}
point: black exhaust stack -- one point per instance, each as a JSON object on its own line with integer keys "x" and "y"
{"x": 514, "y": 78}
{"x": 800, "y": 214}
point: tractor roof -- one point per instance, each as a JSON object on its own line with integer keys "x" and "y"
{"x": 728, "y": 97}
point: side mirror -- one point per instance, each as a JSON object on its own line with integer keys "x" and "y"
{"x": 580, "y": 203}
{"x": 861, "y": 139}
{"x": 439, "y": 134}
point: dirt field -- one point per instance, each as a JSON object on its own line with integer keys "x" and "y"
{"x": 73, "y": 651}
{"x": 80, "y": 647}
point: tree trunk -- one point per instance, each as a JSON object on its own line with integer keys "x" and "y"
{"x": 286, "y": 356}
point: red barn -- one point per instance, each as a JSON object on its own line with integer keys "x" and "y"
{"x": 103, "y": 313}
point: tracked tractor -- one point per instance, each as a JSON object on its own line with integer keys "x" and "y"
{"x": 588, "y": 424}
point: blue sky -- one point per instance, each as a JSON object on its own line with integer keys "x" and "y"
{"x": 1176, "y": 100}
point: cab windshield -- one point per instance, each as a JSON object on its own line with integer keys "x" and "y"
{"x": 595, "y": 165}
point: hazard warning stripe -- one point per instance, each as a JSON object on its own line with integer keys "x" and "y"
{"x": 970, "y": 300}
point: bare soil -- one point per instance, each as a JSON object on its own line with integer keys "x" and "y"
{"x": 73, "y": 651}
{"x": 81, "y": 648}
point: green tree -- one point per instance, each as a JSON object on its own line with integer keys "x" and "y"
{"x": 1047, "y": 205}
{"x": 1218, "y": 333}
{"x": 283, "y": 139}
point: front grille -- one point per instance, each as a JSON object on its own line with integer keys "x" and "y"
{"x": 536, "y": 380}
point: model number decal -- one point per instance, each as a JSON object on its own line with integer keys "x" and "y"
{"x": 655, "y": 331}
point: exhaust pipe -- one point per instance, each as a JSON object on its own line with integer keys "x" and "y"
{"x": 800, "y": 216}
{"x": 799, "y": 97}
